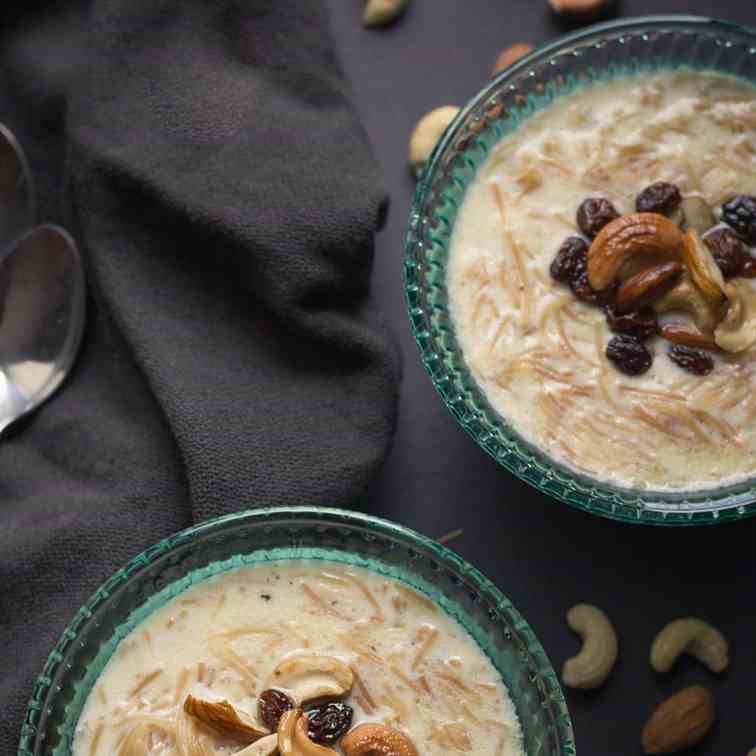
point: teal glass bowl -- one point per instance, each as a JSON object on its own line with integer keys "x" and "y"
{"x": 263, "y": 535}
{"x": 599, "y": 53}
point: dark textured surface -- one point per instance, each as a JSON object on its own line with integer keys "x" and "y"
{"x": 233, "y": 355}
{"x": 544, "y": 556}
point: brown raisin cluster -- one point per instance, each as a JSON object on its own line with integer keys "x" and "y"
{"x": 634, "y": 326}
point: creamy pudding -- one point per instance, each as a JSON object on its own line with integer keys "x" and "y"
{"x": 229, "y": 665}
{"x": 620, "y": 192}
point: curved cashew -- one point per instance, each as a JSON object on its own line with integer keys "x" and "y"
{"x": 293, "y": 739}
{"x": 426, "y": 135}
{"x": 267, "y": 746}
{"x": 627, "y": 237}
{"x": 383, "y": 12}
{"x": 737, "y": 332}
{"x": 371, "y": 739}
{"x": 590, "y": 668}
{"x": 685, "y": 297}
{"x": 703, "y": 269}
{"x": 689, "y": 636}
{"x": 309, "y": 676}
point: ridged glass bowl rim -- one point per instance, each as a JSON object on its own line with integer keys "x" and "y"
{"x": 583, "y": 492}
{"x": 324, "y": 516}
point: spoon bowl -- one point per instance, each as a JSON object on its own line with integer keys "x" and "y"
{"x": 42, "y": 306}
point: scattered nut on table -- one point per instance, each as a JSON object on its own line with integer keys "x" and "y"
{"x": 382, "y": 12}
{"x": 510, "y": 55}
{"x": 426, "y": 135}
{"x": 689, "y": 636}
{"x": 591, "y": 667}
{"x": 579, "y": 6}
{"x": 680, "y": 722}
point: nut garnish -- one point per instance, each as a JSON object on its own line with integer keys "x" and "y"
{"x": 689, "y": 636}
{"x": 370, "y": 739}
{"x": 685, "y": 297}
{"x": 426, "y": 135}
{"x": 510, "y": 55}
{"x": 703, "y": 268}
{"x": 267, "y": 746}
{"x": 293, "y": 739}
{"x": 591, "y": 667}
{"x": 308, "y": 677}
{"x": 679, "y": 722}
{"x": 686, "y": 336}
{"x": 697, "y": 215}
{"x": 737, "y": 332}
{"x": 383, "y": 12}
{"x": 644, "y": 287}
{"x": 640, "y": 235}
{"x": 222, "y": 718}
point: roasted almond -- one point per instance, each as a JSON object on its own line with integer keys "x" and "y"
{"x": 680, "y": 722}
{"x": 646, "y": 236}
{"x": 644, "y": 287}
{"x": 680, "y": 334}
{"x": 222, "y": 718}
{"x": 510, "y": 55}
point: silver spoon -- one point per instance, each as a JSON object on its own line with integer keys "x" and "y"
{"x": 17, "y": 199}
{"x": 42, "y": 304}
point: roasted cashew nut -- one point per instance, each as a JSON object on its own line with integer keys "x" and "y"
{"x": 737, "y": 332}
{"x": 383, "y": 12}
{"x": 267, "y": 746}
{"x": 309, "y": 676}
{"x": 689, "y": 636}
{"x": 685, "y": 297}
{"x": 426, "y": 135}
{"x": 377, "y": 740}
{"x": 293, "y": 739}
{"x": 590, "y": 668}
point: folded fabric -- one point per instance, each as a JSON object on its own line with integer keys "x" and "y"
{"x": 206, "y": 159}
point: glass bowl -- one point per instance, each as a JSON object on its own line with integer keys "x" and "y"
{"x": 599, "y": 53}
{"x": 263, "y": 535}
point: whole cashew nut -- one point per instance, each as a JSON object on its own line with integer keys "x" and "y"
{"x": 266, "y": 746}
{"x": 689, "y": 636}
{"x": 372, "y": 739}
{"x": 310, "y": 676}
{"x": 426, "y": 135}
{"x": 590, "y": 668}
{"x": 383, "y": 12}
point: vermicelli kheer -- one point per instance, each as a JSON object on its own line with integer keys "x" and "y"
{"x": 297, "y": 658}
{"x": 601, "y": 286}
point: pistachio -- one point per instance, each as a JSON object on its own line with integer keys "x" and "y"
{"x": 703, "y": 268}
{"x": 308, "y": 677}
{"x": 642, "y": 288}
{"x": 737, "y": 332}
{"x": 631, "y": 237}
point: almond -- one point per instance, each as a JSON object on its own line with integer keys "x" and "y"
{"x": 680, "y": 334}
{"x": 680, "y": 722}
{"x": 510, "y": 55}
{"x": 644, "y": 287}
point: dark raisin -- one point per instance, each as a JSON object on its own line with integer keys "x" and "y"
{"x": 583, "y": 290}
{"x": 662, "y": 198}
{"x": 570, "y": 260}
{"x": 329, "y": 722}
{"x": 642, "y": 324}
{"x": 593, "y": 214}
{"x": 271, "y": 707}
{"x": 740, "y": 214}
{"x": 628, "y": 354}
{"x": 695, "y": 361}
{"x": 728, "y": 251}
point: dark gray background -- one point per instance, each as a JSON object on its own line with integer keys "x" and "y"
{"x": 543, "y": 555}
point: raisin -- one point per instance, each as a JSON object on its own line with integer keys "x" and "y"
{"x": 628, "y": 354}
{"x": 728, "y": 251}
{"x": 642, "y": 323}
{"x": 695, "y": 361}
{"x": 570, "y": 260}
{"x": 662, "y": 198}
{"x": 593, "y": 214}
{"x": 740, "y": 214}
{"x": 749, "y": 268}
{"x": 329, "y": 722}
{"x": 271, "y": 707}
{"x": 583, "y": 290}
